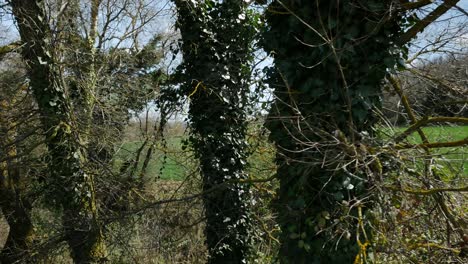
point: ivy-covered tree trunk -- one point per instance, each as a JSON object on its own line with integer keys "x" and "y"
{"x": 330, "y": 59}
{"x": 216, "y": 41}
{"x": 72, "y": 186}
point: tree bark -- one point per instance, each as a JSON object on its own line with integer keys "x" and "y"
{"x": 426, "y": 21}
{"x": 330, "y": 58}
{"x": 217, "y": 70}
{"x": 72, "y": 185}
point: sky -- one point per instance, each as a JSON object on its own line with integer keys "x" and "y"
{"x": 164, "y": 23}
{"x": 165, "y": 20}
{"x": 452, "y": 26}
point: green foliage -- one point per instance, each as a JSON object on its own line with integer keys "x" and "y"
{"x": 216, "y": 45}
{"x": 330, "y": 58}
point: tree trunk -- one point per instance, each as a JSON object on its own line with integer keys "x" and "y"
{"x": 330, "y": 61}
{"x": 216, "y": 53}
{"x": 72, "y": 185}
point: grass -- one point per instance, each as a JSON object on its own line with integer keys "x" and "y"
{"x": 174, "y": 163}
{"x": 168, "y": 162}
{"x": 439, "y": 134}
{"x": 451, "y": 161}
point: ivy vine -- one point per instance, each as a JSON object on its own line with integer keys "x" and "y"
{"x": 330, "y": 59}
{"x": 216, "y": 46}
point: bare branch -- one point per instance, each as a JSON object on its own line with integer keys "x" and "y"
{"x": 9, "y": 48}
{"x": 416, "y": 5}
{"x": 427, "y": 120}
{"x": 428, "y": 192}
{"x": 451, "y": 144}
{"x": 423, "y": 23}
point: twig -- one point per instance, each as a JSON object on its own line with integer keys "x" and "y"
{"x": 423, "y": 23}
{"x": 428, "y": 192}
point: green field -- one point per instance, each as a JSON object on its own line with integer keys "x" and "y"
{"x": 437, "y": 133}
{"x": 178, "y": 163}
{"x": 168, "y": 162}
{"x": 452, "y": 161}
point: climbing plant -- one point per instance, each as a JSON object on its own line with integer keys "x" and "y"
{"x": 73, "y": 186}
{"x": 330, "y": 59}
{"x": 216, "y": 46}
